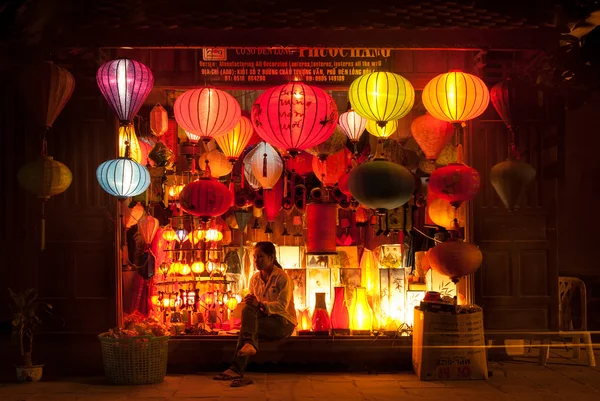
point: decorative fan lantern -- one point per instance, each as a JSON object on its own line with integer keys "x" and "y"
{"x": 353, "y": 125}
{"x": 329, "y": 171}
{"x": 267, "y": 165}
{"x": 159, "y": 120}
{"x": 335, "y": 143}
{"x": 205, "y": 198}
{"x": 381, "y": 96}
{"x": 295, "y": 116}
{"x": 382, "y": 132}
{"x": 455, "y": 259}
{"x": 217, "y": 163}
{"x": 235, "y": 141}
{"x": 207, "y": 112}
{"x": 431, "y": 134}
{"x": 456, "y": 182}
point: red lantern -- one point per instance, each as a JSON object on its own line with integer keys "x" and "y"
{"x": 456, "y": 182}
{"x": 343, "y": 184}
{"x": 329, "y": 171}
{"x": 301, "y": 164}
{"x": 205, "y": 198}
{"x": 125, "y": 84}
{"x": 273, "y": 198}
{"x": 207, "y": 112}
{"x": 512, "y": 99}
{"x": 362, "y": 217}
{"x": 320, "y": 229}
{"x": 147, "y": 227}
{"x": 159, "y": 120}
{"x": 455, "y": 259}
{"x": 432, "y": 135}
{"x": 295, "y": 116}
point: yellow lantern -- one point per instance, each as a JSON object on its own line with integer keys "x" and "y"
{"x": 154, "y": 299}
{"x": 232, "y": 303}
{"x": 304, "y": 320}
{"x": 381, "y": 96}
{"x": 456, "y": 97}
{"x": 267, "y": 165}
{"x": 382, "y": 132}
{"x": 159, "y": 120}
{"x": 185, "y": 269}
{"x": 197, "y": 267}
{"x": 175, "y": 267}
{"x": 127, "y": 134}
{"x": 217, "y": 163}
{"x": 361, "y": 318}
{"x": 213, "y": 235}
{"x": 442, "y": 213}
{"x": 369, "y": 272}
{"x": 169, "y": 234}
{"x": 235, "y": 141}
{"x": 197, "y": 236}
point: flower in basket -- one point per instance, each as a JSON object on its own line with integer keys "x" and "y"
{"x": 136, "y": 324}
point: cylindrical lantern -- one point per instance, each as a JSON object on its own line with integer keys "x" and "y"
{"x": 382, "y": 132}
{"x": 234, "y": 142}
{"x": 267, "y": 165}
{"x": 207, "y": 112}
{"x": 381, "y": 96}
{"x": 123, "y": 178}
{"x": 295, "y": 116}
{"x": 330, "y": 170}
{"x": 455, "y": 259}
{"x": 205, "y": 198}
{"x": 432, "y": 135}
{"x": 217, "y": 163}
{"x": 353, "y": 125}
{"x": 456, "y": 97}
{"x": 159, "y": 120}
{"x": 510, "y": 179}
{"x": 369, "y": 272}
{"x": 125, "y": 84}
{"x": 127, "y": 136}
{"x": 321, "y": 227}
{"x": 335, "y": 143}
{"x": 381, "y": 185}
{"x": 361, "y": 316}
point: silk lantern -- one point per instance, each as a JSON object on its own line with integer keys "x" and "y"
{"x": 273, "y": 199}
{"x": 295, "y": 116}
{"x": 148, "y": 227}
{"x": 234, "y": 142}
{"x": 443, "y": 214}
{"x": 381, "y": 96}
{"x": 127, "y": 137}
{"x": 267, "y": 165}
{"x": 301, "y": 164}
{"x": 456, "y": 97}
{"x": 125, "y": 84}
{"x": 205, "y": 198}
{"x": 131, "y": 216}
{"x": 456, "y": 182}
{"x": 382, "y": 132}
{"x": 361, "y": 315}
{"x": 321, "y": 229}
{"x": 247, "y": 169}
{"x": 512, "y": 99}
{"x": 329, "y": 171}
{"x": 159, "y": 120}
{"x": 455, "y": 259}
{"x": 431, "y": 134}
{"x": 123, "y": 178}
{"x": 511, "y": 179}
{"x": 335, "y": 143}
{"x": 207, "y": 112}
{"x": 217, "y": 163}
{"x": 353, "y": 125}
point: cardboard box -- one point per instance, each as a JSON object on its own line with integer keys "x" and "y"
{"x": 448, "y": 346}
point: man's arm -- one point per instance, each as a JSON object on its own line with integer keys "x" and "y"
{"x": 278, "y": 307}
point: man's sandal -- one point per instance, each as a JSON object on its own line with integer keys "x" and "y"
{"x": 241, "y": 382}
{"x": 226, "y": 377}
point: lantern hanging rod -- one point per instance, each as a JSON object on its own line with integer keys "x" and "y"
{"x": 297, "y": 48}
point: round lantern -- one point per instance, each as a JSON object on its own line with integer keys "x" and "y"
{"x": 217, "y": 163}
{"x": 207, "y": 112}
{"x": 45, "y": 177}
{"x": 432, "y": 135}
{"x": 510, "y": 179}
{"x": 159, "y": 120}
{"x": 267, "y": 165}
{"x": 301, "y": 164}
{"x": 123, "y": 178}
{"x": 382, "y": 132}
{"x": 381, "y": 96}
{"x": 335, "y": 143}
{"x": 295, "y": 116}
{"x": 456, "y": 182}
{"x": 248, "y": 174}
{"x": 127, "y": 136}
{"x": 442, "y": 213}
{"x": 343, "y": 184}
{"x": 205, "y": 198}
{"x": 353, "y": 125}
{"x": 381, "y": 185}
{"x": 329, "y": 171}
{"x": 455, "y": 259}
{"x": 321, "y": 229}
{"x": 235, "y": 141}
{"x": 125, "y": 84}
{"x": 456, "y": 97}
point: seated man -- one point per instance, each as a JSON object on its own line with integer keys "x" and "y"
{"x": 269, "y": 312}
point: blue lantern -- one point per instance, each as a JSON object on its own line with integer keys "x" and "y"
{"x": 123, "y": 177}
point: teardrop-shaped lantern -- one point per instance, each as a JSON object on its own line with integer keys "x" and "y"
{"x": 147, "y": 227}
{"x": 46, "y": 89}
{"x": 455, "y": 259}
{"x": 207, "y": 112}
{"x": 131, "y": 216}
{"x": 353, "y": 125}
{"x": 431, "y": 134}
{"x": 335, "y": 143}
{"x": 512, "y": 99}
{"x": 217, "y": 163}
{"x": 267, "y": 165}
{"x": 127, "y": 136}
{"x": 123, "y": 178}
{"x": 510, "y": 179}
{"x": 382, "y": 132}
{"x": 456, "y": 97}
{"x": 125, "y": 84}
{"x": 159, "y": 120}
{"x": 381, "y": 96}
{"x": 295, "y": 116}
{"x": 235, "y": 141}
{"x": 330, "y": 170}
{"x": 205, "y": 198}
{"x": 248, "y": 174}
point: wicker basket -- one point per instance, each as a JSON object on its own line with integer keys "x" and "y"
{"x": 136, "y": 360}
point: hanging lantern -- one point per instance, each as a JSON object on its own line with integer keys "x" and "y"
{"x": 512, "y": 99}
{"x": 248, "y": 174}
{"x": 353, "y": 125}
{"x": 382, "y": 132}
{"x": 443, "y": 214}
{"x": 511, "y": 179}
{"x": 127, "y": 137}
{"x": 198, "y": 268}
{"x": 455, "y": 182}
{"x": 301, "y": 164}
{"x": 181, "y": 235}
{"x": 329, "y": 171}
{"x": 273, "y": 199}
{"x": 432, "y": 135}
{"x": 343, "y": 184}
{"x": 267, "y": 165}
{"x": 207, "y": 112}
{"x": 217, "y": 163}
{"x": 235, "y": 141}
{"x": 131, "y": 216}
{"x": 147, "y": 227}
{"x": 456, "y": 97}
{"x": 169, "y": 234}
{"x": 362, "y": 217}
{"x": 46, "y": 88}
{"x": 125, "y": 84}
{"x": 295, "y": 116}
{"x": 197, "y": 236}
{"x": 381, "y": 96}
{"x": 159, "y": 120}
{"x": 455, "y": 259}
{"x": 381, "y": 185}
{"x": 335, "y": 143}
{"x": 361, "y": 315}
{"x": 205, "y": 198}
{"x": 123, "y": 178}
{"x": 321, "y": 228}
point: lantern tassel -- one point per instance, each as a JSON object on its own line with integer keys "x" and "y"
{"x": 43, "y": 226}
{"x": 265, "y": 165}
{"x": 513, "y": 144}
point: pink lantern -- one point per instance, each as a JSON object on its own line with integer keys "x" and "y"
{"x": 125, "y": 84}
{"x": 353, "y": 125}
{"x": 207, "y": 112}
{"x": 295, "y": 116}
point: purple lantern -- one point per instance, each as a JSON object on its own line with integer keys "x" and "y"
{"x": 125, "y": 84}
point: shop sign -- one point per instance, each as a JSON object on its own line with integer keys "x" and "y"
{"x": 334, "y": 66}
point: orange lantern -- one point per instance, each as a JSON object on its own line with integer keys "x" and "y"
{"x": 147, "y": 226}
{"x": 217, "y": 163}
{"x": 369, "y": 272}
{"x": 159, "y": 120}
{"x": 304, "y": 320}
{"x": 132, "y": 215}
{"x": 432, "y": 135}
{"x": 329, "y": 171}
{"x": 235, "y": 141}
{"x": 455, "y": 259}
{"x": 197, "y": 267}
{"x": 443, "y": 214}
